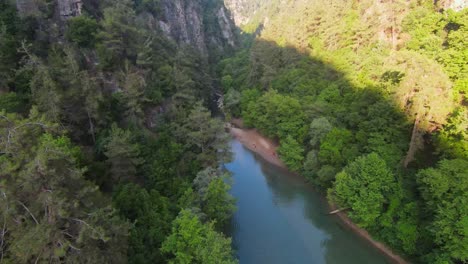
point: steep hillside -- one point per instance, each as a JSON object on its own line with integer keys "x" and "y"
{"x": 368, "y": 100}
{"x": 101, "y": 155}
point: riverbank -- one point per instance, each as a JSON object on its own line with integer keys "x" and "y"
{"x": 267, "y": 149}
{"x": 254, "y": 141}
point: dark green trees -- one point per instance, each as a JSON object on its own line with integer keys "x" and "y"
{"x": 49, "y": 210}
{"x": 82, "y": 30}
{"x": 150, "y": 214}
{"x": 445, "y": 193}
{"x": 292, "y": 153}
{"x": 122, "y": 155}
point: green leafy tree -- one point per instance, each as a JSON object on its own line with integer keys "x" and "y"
{"x": 119, "y": 38}
{"x": 149, "y": 211}
{"x": 445, "y": 192}
{"x": 82, "y": 30}
{"x": 453, "y": 138}
{"x": 205, "y": 136}
{"x": 51, "y": 212}
{"x": 365, "y": 186}
{"x": 214, "y": 198}
{"x": 334, "y": 147}
{"x": 191, "y": 241}
{"x": 123, "y": 156}
{"x": 318, "y": 130}
{"x": 218, "y": 204}
{"x": 292, "y": 153}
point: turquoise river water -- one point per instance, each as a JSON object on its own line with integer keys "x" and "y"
{"x": 281, "y": 219}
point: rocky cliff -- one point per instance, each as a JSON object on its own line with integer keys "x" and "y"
{"x": 64, "y": 8}
{"x": 198, "y": 23}
{"x": 185, "y": 22}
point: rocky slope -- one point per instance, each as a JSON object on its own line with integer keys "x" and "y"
{"x": 181, "y": 20}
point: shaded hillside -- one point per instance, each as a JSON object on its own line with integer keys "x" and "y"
{"x": 368, "y": 101}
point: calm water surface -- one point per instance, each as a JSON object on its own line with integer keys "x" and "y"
{"x": 280, "y": 219}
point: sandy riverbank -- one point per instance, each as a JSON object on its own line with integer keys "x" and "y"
{"x": 267, "y": 149}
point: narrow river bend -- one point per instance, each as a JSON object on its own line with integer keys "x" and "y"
{"x": 280, "y": 219}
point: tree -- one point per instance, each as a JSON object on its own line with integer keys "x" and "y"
{"x": 214, "y": 198}
{"x": 445, "y": 193}
{"x": 205, "y": 136}
{"x": 335, "y": 146}
{"x": 82, "y": 30}
{"x": 453, "y": 138}
{"x": 365, "y": 186}
{"x": 318, "y": 130}
{"x": 276, "y": 115}
{"x": 122, "y": 155}
{"x": 292, "y": 153}
{"x": 133, "y": 84}
{"x": 191, "y": 241}
{"x": 218, "y": 204}
{"x": 149, "y": 211}
{"x": 49, "y": 210}
{"x": 119, "y": 38}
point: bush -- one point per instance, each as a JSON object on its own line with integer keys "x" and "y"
{"x": 82, "y": 30}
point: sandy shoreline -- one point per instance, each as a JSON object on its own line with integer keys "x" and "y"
{"x": 267, "y": 149}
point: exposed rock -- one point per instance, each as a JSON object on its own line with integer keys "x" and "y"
{"x": 456, "y": 5}
{"x": 183, "y": 21}
{"x": 226, "y": 27}
{"x": 65, "y": 8}
{"x": 69, "y": 8}
{"x": 240, "y": 10}
{"x": 27, "y": 7}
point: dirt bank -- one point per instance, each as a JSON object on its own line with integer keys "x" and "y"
{"x": 267, "y": 149}
{"x": 264, "y": 147}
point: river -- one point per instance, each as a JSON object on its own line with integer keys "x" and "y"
{"x": 281, "y": 219}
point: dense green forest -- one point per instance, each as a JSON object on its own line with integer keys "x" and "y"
{"x": 368, "y": 100}
{"x": 108, "y": 149}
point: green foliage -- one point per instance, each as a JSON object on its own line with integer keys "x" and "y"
{"x": 336, "y": 148}
{"x": 64, "y": 217}
{"x": 318, "y": 130}
{"x": 204, "y": 136}
{"x": 218, "y": 204}
{"x": 119, "y": 39}
{"x": 191, "y": 241}
{"x": 445, "y": 192}
{"x": 275, "y": 115}
{"x": 213, "y": 196}
{"x": 453, "y": 138}
{"x": 82, "y": 30}
{"x": 150, "y": 213}
{"x": 365, "y": 186}
{"x": 122, "y": 155}
{"x": 292, "y": 153}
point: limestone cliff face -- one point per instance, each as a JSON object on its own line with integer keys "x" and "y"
{"x": 456, "y": 5}
{"x": 27, "y": 7}
{"x": 241, "y": 10}
{"x": 64, "y": 8}
{"x": 69, "y": 8}
{"x": 184, "y": 21}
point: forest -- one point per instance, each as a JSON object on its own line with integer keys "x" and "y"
{"x": 369, "y": 102}
{"x": 111, "y": 144}
{"x": 108, "y": 149}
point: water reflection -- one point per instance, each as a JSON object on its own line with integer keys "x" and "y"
{"x": 280, "y": 219}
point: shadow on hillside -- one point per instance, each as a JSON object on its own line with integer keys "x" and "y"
{"x": 376, "y": 122}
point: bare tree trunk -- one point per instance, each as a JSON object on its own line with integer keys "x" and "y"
{"x": 414, "y": 143}
{"x": 91, "y": 126}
